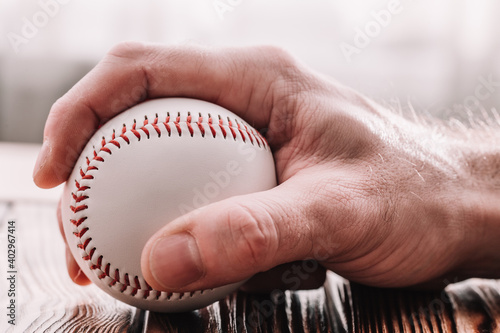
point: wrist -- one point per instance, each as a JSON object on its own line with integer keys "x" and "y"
{"x": 481, "y": 198}
{"x": 482, "y": 258}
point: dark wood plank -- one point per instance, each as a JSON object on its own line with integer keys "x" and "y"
{"x": 304, "y": 311}
{"x": 49, "y": 302}
{"x": 477, "y": 305}
{"x": 341, "y": 306}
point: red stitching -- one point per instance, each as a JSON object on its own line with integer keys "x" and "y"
{"x": 248, "y": 133}
{"x": 241, "y": 132}
{"x": 137, "y": 282}
{"x": 126, "y": 284}
{"x": 133, "y": 130}
{"x": 116, "y": 143}
{"x": 84, "y": 244}
{"x": 106, "y": 270}
{"x": 167, "y": 126}
{"x": 78, "y": 198}
{"x": 104, "y": 148}
{"x": 200, "y": 126}
{"x": 80, "y": 188}
{"x": 155, "y": 126}
{"x": 98, "y": 264}
{"x": 116, "y": 278}
{"x": 113, "y": 141}
{"x": 85, "y": 176}
{"x": 257, "y": 138}
{"x": 147, "y": 291}
{"x": 264, "y": 141}
{"x": 188, "y": 121}
{"x": 137, "y": 286}
{"x": 98, "y": 158}
{"x": 89, "y": 256}
{"x": 148, "y": 287}
{"x": 123, "y": 136}
{"x": 212, "y": 129}
{"x": 77, "y": 223}
{"x": 81, "y": 232}
{"x": 77, "y": 209}
{"x": 143, "y": 128}
{"x": 177, "y": 125}
{"x": 231, "y": 128}
{"x": 221, "y": 125}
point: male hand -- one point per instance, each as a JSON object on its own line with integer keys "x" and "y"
{"x": 362, "y": 191}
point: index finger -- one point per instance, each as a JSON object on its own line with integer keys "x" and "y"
{"x": 131, "y": 72}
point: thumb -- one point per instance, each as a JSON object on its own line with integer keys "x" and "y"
{"x": 227, "y": 242}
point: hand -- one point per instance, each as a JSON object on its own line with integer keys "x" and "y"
{"x": 364, "y": 192}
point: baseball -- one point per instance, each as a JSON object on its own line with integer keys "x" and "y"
{"x": 147, "y": 166}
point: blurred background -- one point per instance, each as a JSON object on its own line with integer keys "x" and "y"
{"x": 440, "y": 57}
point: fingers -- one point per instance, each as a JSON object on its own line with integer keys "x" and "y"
{"x": 59, "y": 220}
{"x": 241, "y": 80}
{"x": 230, "y": 241}
{"x": 74, "y": 271}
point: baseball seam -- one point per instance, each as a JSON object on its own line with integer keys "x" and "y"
{"x": 171, "y": 126}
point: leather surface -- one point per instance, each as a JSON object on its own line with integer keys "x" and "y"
{"x": 129, "y": 192}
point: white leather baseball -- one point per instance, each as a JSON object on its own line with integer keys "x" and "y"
{"x": 146, "y": 167}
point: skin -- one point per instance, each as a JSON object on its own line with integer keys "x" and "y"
{"x": 372, "y": 196}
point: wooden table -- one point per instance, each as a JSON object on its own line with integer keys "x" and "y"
{"x": 47, "y": 301}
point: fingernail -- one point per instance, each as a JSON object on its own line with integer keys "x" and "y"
{"x": 42, "y": 157}
{"x": 175, "y": 261}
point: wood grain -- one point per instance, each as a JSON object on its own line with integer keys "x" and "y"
{"x": 47, "y": 299}
{"x": 49, "y": 302}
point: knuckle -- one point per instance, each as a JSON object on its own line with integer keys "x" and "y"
{"x": 130, "y": 49}
{"x": 288, "y": 69}
{"x": 281, "y": 63}
{"x": 278, "y": 55}
{"x": 62, "y": 104}
{"x": 253, "y": 234}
